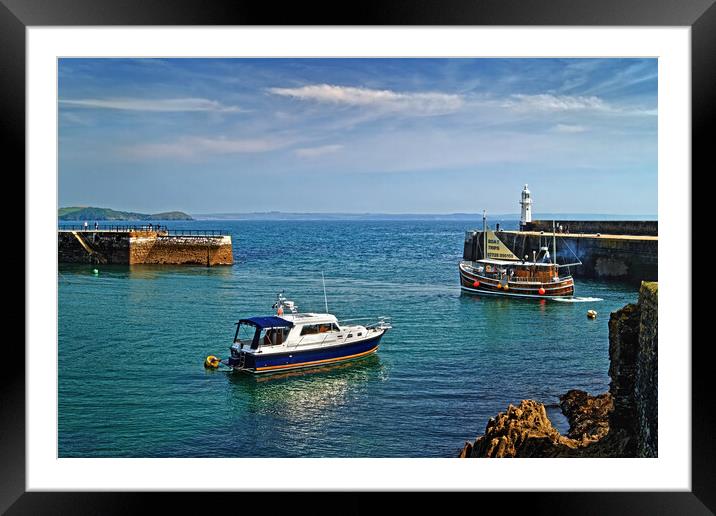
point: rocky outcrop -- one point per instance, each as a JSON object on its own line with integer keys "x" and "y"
{"x": 588, "y": 416}
{"x": 633, "y": 346}
{"x": 523, "y": 430}
{"x": 526, "y": 431}
{"x": 645, "y": 389}
{"x": 620, "y": 423}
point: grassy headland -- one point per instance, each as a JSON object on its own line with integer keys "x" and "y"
{"x": 91, "y": 213}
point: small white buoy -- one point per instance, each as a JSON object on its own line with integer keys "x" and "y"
{"x": 95, "y": 272}
{"x": 592, "y": 314}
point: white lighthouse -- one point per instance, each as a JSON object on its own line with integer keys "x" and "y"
{"x": 526, "y": 203}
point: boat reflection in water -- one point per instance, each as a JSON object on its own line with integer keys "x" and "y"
{"x": 370, "y": 366}
{"x": 303, "y": 398}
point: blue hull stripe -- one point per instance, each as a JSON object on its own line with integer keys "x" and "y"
{"x": 308, "y": 358}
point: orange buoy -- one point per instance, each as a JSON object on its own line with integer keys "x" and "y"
{"x": 499, "y": 285}
{"x": 475, "y": 283}
{"x": 507, "y": 287}
{"x": 541, "y": 291}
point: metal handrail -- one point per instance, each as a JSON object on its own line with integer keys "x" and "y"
{"x": 515, "y": 279}
{"x": 113, "y": 227}
{"x": 198, "y": 232}
{"x": 164, "y": 230}
{"x": 384, "y": 318}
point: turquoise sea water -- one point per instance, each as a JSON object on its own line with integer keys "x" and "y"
{"x": 132, "y": 341}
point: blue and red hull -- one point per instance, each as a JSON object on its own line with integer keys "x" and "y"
{"x": 278, "y": 362}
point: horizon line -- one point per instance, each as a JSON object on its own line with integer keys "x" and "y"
{"x": 273, "y": 212}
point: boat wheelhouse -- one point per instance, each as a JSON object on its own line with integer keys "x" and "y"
{"x": 294, "y": 340}
{"x": 502, "y": 273}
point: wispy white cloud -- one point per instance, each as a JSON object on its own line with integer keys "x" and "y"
{"x": 162, "y": 105}
{"x": 425, "y": 119}
{"x": 312, "y": 152}
{"x": 416, "y": 103}
{"x": 568, "y": 128}
{"x": 549, "y": 102}
{"x": 75, "y": 119}
{"x": 621, "y": 80}
{"x": 185, "y": 148}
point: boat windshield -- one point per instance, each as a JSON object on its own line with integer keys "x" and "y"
{"x": 253, "y": 336}
{"x": 245, "y": 334}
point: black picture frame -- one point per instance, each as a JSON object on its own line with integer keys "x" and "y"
{"x": 700, "y": 15}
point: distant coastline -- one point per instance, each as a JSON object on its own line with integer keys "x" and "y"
{"x": 277, "y": 215}
{"x": 108, "y": 214}
{"x": 92, "y": 213}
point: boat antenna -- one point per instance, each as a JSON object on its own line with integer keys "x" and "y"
{"x": 325, "y": 299}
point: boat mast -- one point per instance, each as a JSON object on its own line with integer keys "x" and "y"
{"x": 484, "y": 236}
{"x": 554, "y": 242}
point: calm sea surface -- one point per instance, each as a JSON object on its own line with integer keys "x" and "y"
{"x": 132, "y": 341}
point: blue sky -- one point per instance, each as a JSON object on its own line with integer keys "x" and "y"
{"x": 358, "y": 135}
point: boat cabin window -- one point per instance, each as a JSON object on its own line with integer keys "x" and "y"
{"x": 312, "y": 329}
{"x": 274, "y": 336}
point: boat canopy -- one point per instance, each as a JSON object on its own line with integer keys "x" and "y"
{"x": 270, "y": 321}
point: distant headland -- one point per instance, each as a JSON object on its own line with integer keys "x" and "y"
{"x": 91, "y": 213}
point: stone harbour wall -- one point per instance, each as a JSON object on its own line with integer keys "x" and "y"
{"x": 209, "y": 250}
{"x": 112, "y": 248}
{"x": 608, "y": 227}
{"x": 145, "y": 247}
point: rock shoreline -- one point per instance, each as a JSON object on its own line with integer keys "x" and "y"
{"x": 618, "y": 423}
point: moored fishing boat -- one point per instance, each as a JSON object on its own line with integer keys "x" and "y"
{"x": 291, "y": 340}
{"x": 500, "y": 272}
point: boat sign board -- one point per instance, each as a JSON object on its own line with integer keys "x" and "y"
{"x": 497, "y": 250}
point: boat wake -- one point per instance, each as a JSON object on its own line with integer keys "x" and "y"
{"x": 577, "y": 299}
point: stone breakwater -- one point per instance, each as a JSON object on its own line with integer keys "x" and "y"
{"x": 143, "y": 247}
{"x": 622, "y": 257}
{"x": 199, "y": 250}
{"x": 619, "y": 423}
{"x": 609, "y": 227}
